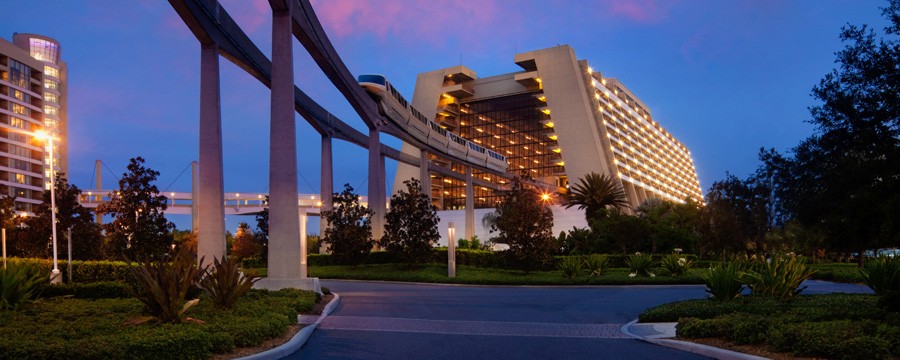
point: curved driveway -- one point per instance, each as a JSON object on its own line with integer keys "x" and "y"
{"x": 423, "y": 321}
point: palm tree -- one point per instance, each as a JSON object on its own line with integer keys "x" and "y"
{"x": 595, "y": 193}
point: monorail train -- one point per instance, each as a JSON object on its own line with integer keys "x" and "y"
{"x": 396, "y": 108}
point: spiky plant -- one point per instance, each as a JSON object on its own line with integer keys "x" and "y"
{"x": 596, "y": 264}
{"x": 723, "y": 283}
{"x": 570, "y": 266}
{"x": 225, "y": 284}
{"x": 882, "y": 275}
{"x": 19, "y": 285}
{"x": 641, "y": 264}
{"x": 163, "y": 287}
{"x": 779, "y": 277}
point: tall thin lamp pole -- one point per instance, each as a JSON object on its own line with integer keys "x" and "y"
{"x": 55, "y": 274}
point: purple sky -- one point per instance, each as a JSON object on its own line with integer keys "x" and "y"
{"x": 725, "y": 77}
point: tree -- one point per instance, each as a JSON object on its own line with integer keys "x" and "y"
{"x": 595, "y": 194}
{"x": 411, "y": 225}
{"x": 844, "y": 178}
{"x": 735, "y": 219}
{"x": 245, "y": 244}
{"x": 618, "y": 231}
{"x": 139, "y": 228}
{"x": 350, "y": 236}
{"x": 185, "y": 238}
{"x": 672, "y": 225}
{"x": 262, "y": 232}
{"x": 86, "y": 234}
{"x": 525, "y": 223}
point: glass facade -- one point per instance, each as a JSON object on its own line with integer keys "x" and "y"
{"x": 515, "y": 126}
{"x": 19, "y": 73}
{"x": 44, "y": 50}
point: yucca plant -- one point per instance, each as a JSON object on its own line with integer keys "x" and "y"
{"x": 225, "y": 284}
{"x": 676, "y": 265}
{"x": 641, "y": 264}
{"x": 779, "y": 277}
{"x": 163, "y": 287}
{"x": 19, "y": 285}
{"x": 570, "y": 267}
{"x": 596, "y": 264}
{"x": 882, "y": 275}
{"x": 723, "y": 282}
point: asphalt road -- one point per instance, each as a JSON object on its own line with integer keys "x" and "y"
{"x": 422, "y": 321}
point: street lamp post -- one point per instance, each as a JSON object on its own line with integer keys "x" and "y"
{"x": 55, "y": 274}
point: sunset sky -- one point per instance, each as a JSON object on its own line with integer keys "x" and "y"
{"x": 725, "y": 77}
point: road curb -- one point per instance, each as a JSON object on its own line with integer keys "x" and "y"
{"x": 296, "y": 342}
{"x": 648, "y": 286}
{"x": 699, "y": 349}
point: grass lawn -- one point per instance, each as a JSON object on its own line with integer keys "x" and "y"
{"x": 833, "y": 326}
{"x": 838, "y": 272}
{"x": 70, "y": 328}
{"x": 486, "y": 276}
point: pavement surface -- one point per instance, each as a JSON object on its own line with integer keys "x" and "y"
{"x": 424, "y": 321}
{"x": 383, "y": 320}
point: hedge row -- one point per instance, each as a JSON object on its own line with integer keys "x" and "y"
{"x": 83, "y": 271}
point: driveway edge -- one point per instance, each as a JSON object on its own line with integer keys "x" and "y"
{"x": 699, "y": 349}
{"x": 296, "y": 342}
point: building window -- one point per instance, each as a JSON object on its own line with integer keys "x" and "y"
{"x": 44, "y": 50}
{"x": 19, "y": 164}
{"x": 21, "y": 109}
{"x": 19, "y": 73}
{"x": 20, "y": 95}
{"x": 50, "y": 110}
{"x": 19, "y": 151}
{"x": 20, "y": 178}
{"x": 51, "y": 97}
{"x": 51, "y": 71}
{"x": 51, "y": 84}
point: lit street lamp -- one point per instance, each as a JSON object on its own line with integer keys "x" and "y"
{"x": 55, "y": 274}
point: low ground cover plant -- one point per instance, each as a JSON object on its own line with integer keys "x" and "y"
{"x": 676, "y": 265}
{"x": 19, "y": 285}
{"x": 641, "y": 264}
{"x": 571, "y": 266}
{"x": 45, "y": 330}
{"x": 596, "y": 264}
{"x": 833, "y": 326}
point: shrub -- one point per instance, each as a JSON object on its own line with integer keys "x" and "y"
{"x": 697, "y": 328}
{"x": 641, "y": 264}
{"x": 97, "y": 290}
{"x": 779, "y": 277}
{"x": 700, "y": 309}
{"x": 676, "y": 265}
{"x": 19, "y": 284}
{"x": 163, "y": 286}
{"x": 525, "y": 223}
{"x": 723, "y": 283}
{"x": 596, "y": 264}
{"x": 570, "y": 266}
{"x": 882, "y": 275}
{"x": 225, "y": 284}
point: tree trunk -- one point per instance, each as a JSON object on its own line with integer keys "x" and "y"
{"x": 861, "y": 259}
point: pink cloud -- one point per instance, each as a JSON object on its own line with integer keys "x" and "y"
{"x": 641, "y": 11}
{"x": 412, "y": 19}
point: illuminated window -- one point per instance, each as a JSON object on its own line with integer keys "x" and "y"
{"x": 50, "y": 110}
{"x": 20, "y": 178}
{"x": 51, "y": 84}
{"x": 51, "y": 71}
{"x": 21, "y": 109}
{"x": 51, "y": 97}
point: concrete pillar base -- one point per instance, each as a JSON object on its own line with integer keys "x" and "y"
{"x": 311, "y": 284}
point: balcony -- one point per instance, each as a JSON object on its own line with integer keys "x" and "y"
{"x": 460, "y": 90}
{"x": 530, "y": 80}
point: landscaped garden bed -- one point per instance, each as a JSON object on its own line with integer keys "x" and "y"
{"x": 66, "y": 327}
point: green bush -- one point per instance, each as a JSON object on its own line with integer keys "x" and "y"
{"x": 882, "y": 275}
{"x": 838, "y": 272}
{"x": 570, "y": 266}
{"x": 779, "y": 277}
{"x": 699, "y": 309}
{"x": 641, "y": 264}
{"x": 596, "y": 264}
{"x": 225, "y": 284}
{"x": 97, "y": 290}
{"x": 692, "y": 328}
{"x": 19, "y": 285}
{"x": 723, "y": 283}
{"x": 676, "y": 265}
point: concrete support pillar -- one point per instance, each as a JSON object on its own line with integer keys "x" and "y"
{"x": 303, "y": 255}
{"x": 211, "y": 232}
{"x": 98, "y": 174}
{"x": 284, "y": 227}
{"x": 470, "y": 204}
{"x": 327, "y": 184}
{"x": 195, "y": 197}
{"x": 424, "y": 174}
{"x": 377, "y": 195}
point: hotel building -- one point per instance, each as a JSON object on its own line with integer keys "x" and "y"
{"x": 33, "y": 97}
{"x": 556, "y": 120}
